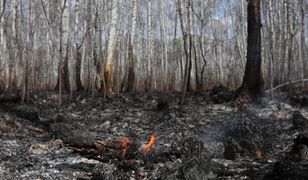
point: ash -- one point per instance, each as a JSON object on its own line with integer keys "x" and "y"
{"x": 203, "y": 140}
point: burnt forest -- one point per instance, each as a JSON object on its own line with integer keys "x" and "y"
{"x": 154, "y": 89}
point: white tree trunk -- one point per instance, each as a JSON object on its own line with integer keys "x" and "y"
{"x": 131, "y": 48}
{"x": 111, "y": 46}
{"x": 48, "y": 54}
{"x": 150, "y": 69}
{"x": 244, "y": 33}
{"x": 2, "y": 40}
{"x": 65, "y": 25}
{"x": 76, "y": 23}
{"x": 13, "y": 11}
{"x": 163, "y": 57}
{"x": 63, "y": 63}
{"x": 134, "y": 21}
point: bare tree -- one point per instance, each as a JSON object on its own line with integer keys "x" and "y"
{"x": 252, "y": 81}
{"x": 19, "y": 40}
{"x": 2, "y": 48}
{"x": 63, "y": 74}
{"x": 302, "y": 41}
{"x": 78, "y": 46}
{"x": 2, "y": 41}
{"x": 145, "y": 45}
{"x": 164, "y": 50}
{"x": 150, "y": 46}
{"x": 111, "y": 48}
{"x": 187, "y": 40}
{"x": 131, "y": 62}
{"x": 29, "y": 53}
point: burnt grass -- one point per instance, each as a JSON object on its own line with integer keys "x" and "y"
{"x": 205, "y": 139}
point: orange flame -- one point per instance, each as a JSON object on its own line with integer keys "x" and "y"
{"x": 149, "y": 145}
{"x": 124, "y": 146}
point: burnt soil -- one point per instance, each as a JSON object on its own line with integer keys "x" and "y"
{"x": 202, "y": 140}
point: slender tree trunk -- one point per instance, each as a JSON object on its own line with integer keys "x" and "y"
{"x": 63, "y": 72}
{"x": 77, "y": 46}
{"x": 175, "y": 57}
{"x": 202, "y": 47}
{"x": 49, "y": 52}
{"x": 150, "y": 58}
{"x": 19, "y": 43}
{"x": 244, "y": 33}
{"x": 131, "y": 41}
{"x": 63, "y": 75}
{"x": 2, "y": 60}
{"x": 285, "y": 41}
{"x": 302, "y": 41}
{"x": 12, "y": 42}
{"x": 2, "y": 50}
{"x": 272, "y": 38}
{"x": 187, "y": 48}
{"x": 111, "y": 48}
{"x": 25, "y": 89}
{"x": 98, "y": 61}
{"x": 289, "y": 42}
{"x": 164, "y": 53}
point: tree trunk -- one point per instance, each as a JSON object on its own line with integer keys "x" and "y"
{"x": 19, "y": 43}
{"x": 2, "y": 50}
{"x": 77, "y": 46}
{"x": 187, "y": 48}
{"x": 98, "y": 62}
{"x": 252, "y": 81}
{"x": 111, "y": 48}
{"x": 302, "y": 41}
{"x": 63, "y": 78}
{"x": 150, "y": 44}
{"x": 63, "y": 72}
{"x": 164, "y": 53}
{"x": 25, "y": 89}
{"x": 271, "y": 43}
{"x": 131, "y": 62}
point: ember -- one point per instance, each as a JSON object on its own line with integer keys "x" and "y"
{"x": 258, "y": 154}
{"x": 124, "y": 146}
{"x": 149, "y": 145}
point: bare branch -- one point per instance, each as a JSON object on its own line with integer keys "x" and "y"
{"x": 287, "y": 83}
{"x": 3, "y": 10}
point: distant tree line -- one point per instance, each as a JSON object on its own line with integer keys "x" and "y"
{"x": 111, "y": 46}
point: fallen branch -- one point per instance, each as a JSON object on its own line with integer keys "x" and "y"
{"x": 285, "y": 84}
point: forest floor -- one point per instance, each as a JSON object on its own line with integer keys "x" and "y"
{"x": 86, "y": 139}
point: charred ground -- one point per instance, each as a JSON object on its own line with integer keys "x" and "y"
{"x": 203, "y": 140}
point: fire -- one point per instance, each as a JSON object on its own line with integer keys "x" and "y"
{"x": 258, "y": 154}
{"x": 150, "y": 144}
{"x": 124, "y": 145}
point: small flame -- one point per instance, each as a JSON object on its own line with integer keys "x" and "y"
{"x": 258, "y": 154}
{"x": 124, "y": 146}
{"x": 149, "y": 145}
